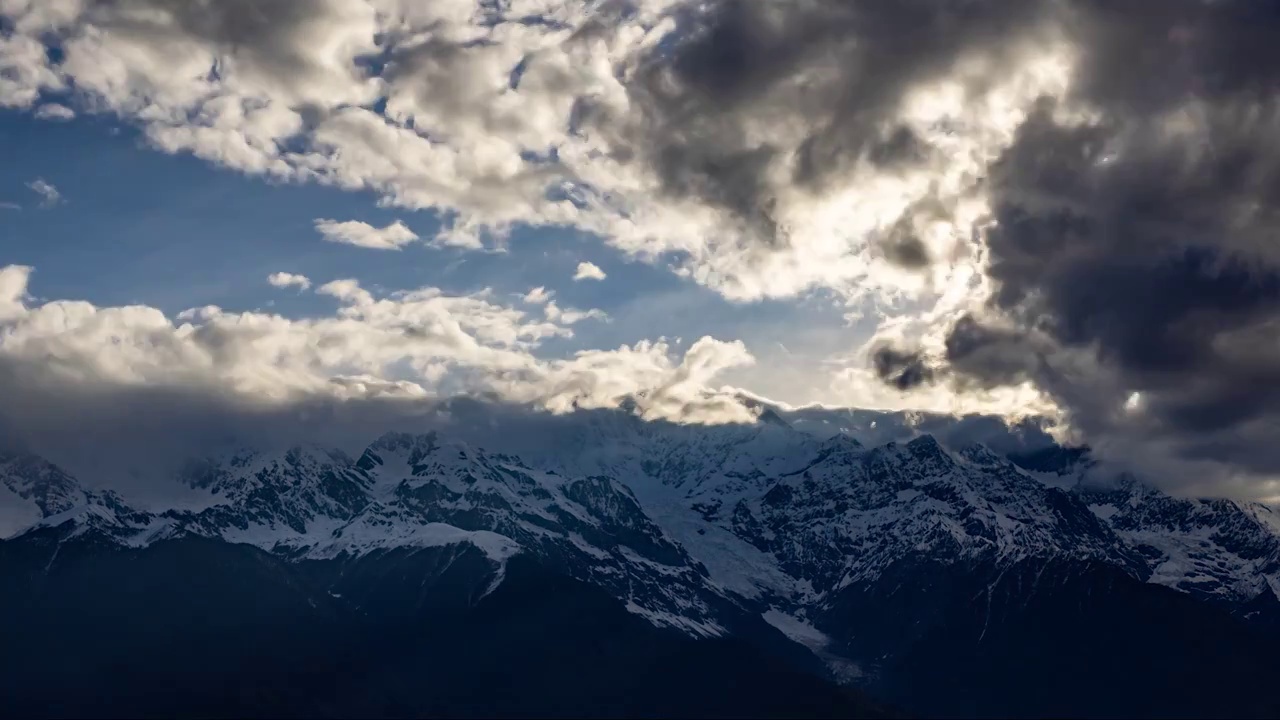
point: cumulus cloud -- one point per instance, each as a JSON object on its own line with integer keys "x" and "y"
{"x": 1130, "y": 270}
{"x": 588, "y": 271}
{"x": 49, "y": 195}
{"x": 285, "y": 280}
{"x": 409, "y": 346}
{"x": 765, "y": 149}
{"x": 353, "y": 232}
{"x": 1036, "y": 203}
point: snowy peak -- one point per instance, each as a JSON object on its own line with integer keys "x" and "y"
{"x": 841, "y": 447}
{"x": 276, "y": 494}
{"x": 45, "y": 485}
{"x": 669, "y": 518}
{"x": 1218, "y": 549}
{"x": 920, "y": 458}
{"x": 769, "y": 417}
{"x": 849, "y": 516}
{"x": 981, "y": 455}
{"x": 36, "y": 494}
{"x": 412, "y": 448}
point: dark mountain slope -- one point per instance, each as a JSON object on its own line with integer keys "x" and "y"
{"x": 202, "y": 628}
{"x": 1053, "y": 640}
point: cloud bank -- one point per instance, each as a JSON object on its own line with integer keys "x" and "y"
{"x": 414, "y": 344}
{"x": 1066, "y": 206}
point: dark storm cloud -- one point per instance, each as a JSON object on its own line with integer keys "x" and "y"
{"x": 990, "y": 355}
{"x": 709, "y": 95}
{"x": 901, "y": 244}
{"x": 904, "y": 369}
{"x": 906, "y": 250}
{"x": 1149, "y": 239}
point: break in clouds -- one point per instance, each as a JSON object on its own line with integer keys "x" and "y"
{"x": 1069, "y": 207}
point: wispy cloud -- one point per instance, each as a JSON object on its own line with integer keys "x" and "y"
{"x": 49, "y": 195}
{"x": 54, "y": 111}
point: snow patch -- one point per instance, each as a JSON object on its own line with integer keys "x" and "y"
{"x": 1105, "y": 512}
{"x": 706, "y": 629}
{"x": 798, "y": 629}
{"x": 361, "y": 539}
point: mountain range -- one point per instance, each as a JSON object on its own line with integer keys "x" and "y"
{"x": 814, "y": 563}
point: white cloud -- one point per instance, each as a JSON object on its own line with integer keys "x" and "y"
{"x": 537, "y": 296}
{"x": 353, "y": 232}
{"x": 569, "y": 316}
{"x": 288, "y": 93}
{"x": 49, "y": 195}
{"x": 588, "y": 271}
{"x": 54, "y": 111}
{"x": 13, "y": 291}
{"x": 563, "y": 146}
{"x": 417, "y": 344}
{"x": 285, "y": 280}
{"x": 10, "y": 206}
{"x": 24, "y": 69}
{"x": 457, "y": 135}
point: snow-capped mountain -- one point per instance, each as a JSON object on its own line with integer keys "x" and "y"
{"x": 406, "y": 491}
{"x": 1214, "y": 548}
{"x": 32, "y": 489}
{"x": 853, "y": 513}
{"x": 673, "y": 517}
{"x": 703, "y": 529}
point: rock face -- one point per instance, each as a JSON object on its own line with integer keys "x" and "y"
{"x": 870, "y": 564}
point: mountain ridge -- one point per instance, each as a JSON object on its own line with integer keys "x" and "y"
{"x": 761, "y": 531}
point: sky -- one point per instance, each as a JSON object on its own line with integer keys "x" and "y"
{"x": 1051, "y": 208}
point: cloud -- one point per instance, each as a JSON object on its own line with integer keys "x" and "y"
{"x": 49, "y": 195}
{"x": 10, "y": 206}
{"x": 54, "y": 111}
{"x": 1129, "y": 252}
{"x": 569, "y": 316}
{"x": 1041, "y": 216}
{"x": 657, "y": 126}
{"x": 588, "y": 271}
{"x": 25, "y": 72}
{"x": 285, "y": 280}
{"x": 409, "y": 346}
{"x": 538, "y": 296}
{"x": 901, "y": 368}
{"x": 353, "y": 232}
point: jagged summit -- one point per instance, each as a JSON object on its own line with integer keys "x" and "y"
{"x": 32, "y": 478}
{"x": 769, "y": 417}
{"x": 675, "y": 519}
